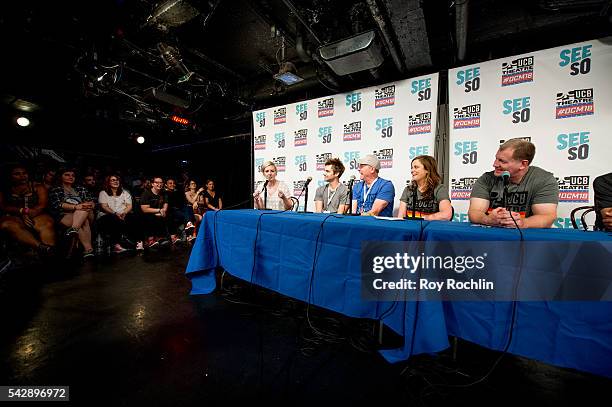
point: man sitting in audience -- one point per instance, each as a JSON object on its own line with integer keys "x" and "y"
{"x": 22, "y": 212}
{"x": 603, "y": 201}
{"x": 532, "y": 193}
{"x": 154, "y": 206}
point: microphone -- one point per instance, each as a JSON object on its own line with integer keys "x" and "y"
{"x": 307, "y": 181}
{"x": 265, "y": 191}
{"x": 350, "y": 195}
{"x": 266, "y": 184}
{"x": 506, "y": 177}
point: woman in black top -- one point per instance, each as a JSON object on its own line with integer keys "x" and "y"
{"x": 22, "y": 212}
{"x": 212, "y": 198}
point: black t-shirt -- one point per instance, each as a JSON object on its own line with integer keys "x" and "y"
{"x": 156, "y": 201}
{"x": 603, "y": 195}
{"x": 176, "y": 199}
{"x": 214, "y": 201}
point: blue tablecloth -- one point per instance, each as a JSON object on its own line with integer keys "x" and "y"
{"x": 577, "y": 335}
{"x": 569, "y": 334}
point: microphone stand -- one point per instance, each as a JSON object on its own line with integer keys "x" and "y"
{"x": 415, "y": 188}
{"x": 305, "y": 199}
{"x": 350, "y": 203}
{"x": 265, "y": 191}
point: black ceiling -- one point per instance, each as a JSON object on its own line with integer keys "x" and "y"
{"x": 55, "y": 52}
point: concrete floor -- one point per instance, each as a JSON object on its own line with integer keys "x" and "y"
{"x": 126, "y": 331}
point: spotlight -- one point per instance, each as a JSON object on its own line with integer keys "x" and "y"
{"x": 140, "y": 140}
{"x": 23, "y": 121}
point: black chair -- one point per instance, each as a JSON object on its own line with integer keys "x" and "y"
{"x": 583, "y": 223}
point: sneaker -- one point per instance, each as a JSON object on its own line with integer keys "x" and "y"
{"x": 72, "y": 232}
{"x": 89, "y": 254}
{"x": 139, "y": 245}
{"x": 163, "y": 242}
{"x": 152, "y": 242}
{"x": 189, "y": 227}
{"x": 117, "y": 248}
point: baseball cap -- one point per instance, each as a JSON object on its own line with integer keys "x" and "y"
{"x": 370, "y": 160}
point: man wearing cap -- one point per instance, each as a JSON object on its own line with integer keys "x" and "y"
{"x": 332, "y": 197}
{"x": 532, "y": 193}
{"x": 373, "y": 195}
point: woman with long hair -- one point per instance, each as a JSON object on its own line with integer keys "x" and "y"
{"x": 278, "y": 195}
{"x": 432, "y": 201}
{"x": 73, "y": 207}
{"x": 211, "y": 197}
{"x": 116, "y": 217}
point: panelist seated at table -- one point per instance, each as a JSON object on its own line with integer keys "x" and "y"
{"x": 373, "y": 195}
{"x": 432, "y": 201}
{"x": 333, "y": 196}
{"x": 603, "y": 201}
{"x": 278, "y": 195}
{"x": 532, "y": 193}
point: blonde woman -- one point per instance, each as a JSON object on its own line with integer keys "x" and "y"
{"x": 278, "y": 195}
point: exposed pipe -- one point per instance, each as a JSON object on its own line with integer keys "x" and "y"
{"x": 461, "y": 22}
{"x": 386, "y": 33}
{"x": 299, "y": 47}
{"x": 297, "y": 14}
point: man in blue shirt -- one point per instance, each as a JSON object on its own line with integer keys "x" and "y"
{"x": 373, "y": 196}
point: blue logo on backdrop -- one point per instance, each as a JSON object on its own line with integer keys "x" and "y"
{"x": 469, "y": 78}
{"x": 578, "y": 59}
{"x": 519, "y": 109}
{"x": 422, "y": 88}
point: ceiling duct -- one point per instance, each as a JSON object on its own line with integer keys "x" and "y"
{"x": 353, "y": 54}
{"x": 172, "y": 13}
{"x": 156, "y": 94}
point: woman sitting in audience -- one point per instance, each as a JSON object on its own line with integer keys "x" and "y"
{"x": 211, "y": 197}
{"x": 22, "y": 212}
{"x": 278, "y": 195}
{"x": 432, "y": 201}
{"x": 116, "y": 217}
{"x": 196, "y": 204}
{"x": 73, "y": 207}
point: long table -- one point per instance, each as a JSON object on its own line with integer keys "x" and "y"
{"x": 316, "y": 258}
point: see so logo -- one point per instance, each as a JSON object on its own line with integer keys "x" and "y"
{"x": 260, "y": 118}
{"x": 422, "y": 88}
{"x": 578, "y": 59}
{"x": 469, "y": 78}
{"x": 576, "y": 144}
{"x": 519, "y": 109}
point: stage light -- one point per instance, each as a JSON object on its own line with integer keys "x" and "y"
{"x": 23, "y": 121}
{"x": 140, "y": 140}
{"x": 287, "y": 74}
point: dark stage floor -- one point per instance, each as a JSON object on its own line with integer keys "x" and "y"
{"x": 126, "y": 331}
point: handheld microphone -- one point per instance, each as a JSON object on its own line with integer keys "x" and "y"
{"x": 506, "y": 177}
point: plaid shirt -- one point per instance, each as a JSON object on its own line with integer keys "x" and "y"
{"x": 57, "y": 196}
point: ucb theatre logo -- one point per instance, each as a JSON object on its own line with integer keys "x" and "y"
{"x": 260, "y": 118}
{"x": 461, "y": 188}
{"x": 325, "y": 134}
{"x": 574, "y": 188}
{"x": 384, "y": 126}
{"x": 466, "y": 117}
{"x": 321, "y": 159}
{"x": 519, "y": 109}
{"x": 301, "y": 111}
{"x": 353, "y": 101}
{"x": 258, "y": 163}
{"x": 576, "y": 144}
{"x": 517, "y": 71}
{"x": 300, "y": 163}
{"x": 575, "y": 103}
{"x": 279, "y": 139}
{"x": 578, "y": 59}
{"x": 469, "y": 79}
{"x": 351, "y": 160}
{"x": 384, "y": 96}
{"x": 352, "y": 131}
{"x": 260, "y": 142}
{"x": 385, "y": 156}
{"x": 280, "y": 115}
{"x": 298, "y": 186}
{"x": 467, "y": 150}
{"x": 419, "y": 123}
{"x": 421, "y": 88}
{"x": 325, "y": 107}
{"x": 300, "y": 137}
{"x": 280, "y": 163}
